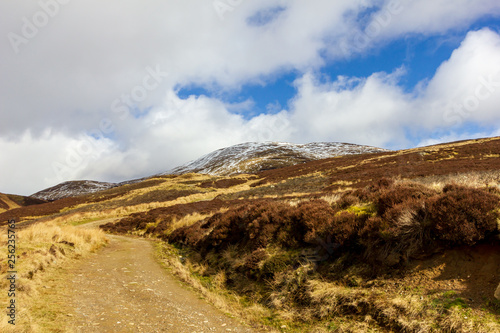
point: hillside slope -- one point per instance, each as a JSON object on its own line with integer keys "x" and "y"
{"x": 252, "y": 157}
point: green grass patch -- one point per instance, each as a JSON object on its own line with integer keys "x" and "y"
{"x": 448, "y": 300}
{"x": 363, "y": 210}
{"x": 85, "y": 221}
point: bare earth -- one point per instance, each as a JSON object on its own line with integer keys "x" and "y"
{"x": 122, "y": 288}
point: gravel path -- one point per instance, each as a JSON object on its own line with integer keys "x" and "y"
{"x": 122, "y": 288}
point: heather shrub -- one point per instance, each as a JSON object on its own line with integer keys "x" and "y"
{"x": 223, "y": 183}
{"x": 346, "y": 227}
{"x": 251, "y": 227}
{"x": 401, "y": 193}
{"x": 385, "y": 182}
{"x": 406, "y": 219}
{"x": 3, "y": 205}
{"x": 413, "y": 220}
{"x": 260, "y": 230}
{"x": 463, "y": 216}
{"x": 312, "y": 220}
{"x": 403, "y": 233}
{"x": 400, "y": 228}
{"x": 188, "y": 235}
{"x": 403, "y": 221}
{"x": 253, "y": 260}
{"x": 348, "y": 199}
{"x": 225, "y": 229}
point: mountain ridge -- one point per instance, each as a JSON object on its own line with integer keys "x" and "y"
{"x": 249, "y": 157}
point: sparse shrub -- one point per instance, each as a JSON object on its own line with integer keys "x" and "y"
{"x": 165, "y": 215}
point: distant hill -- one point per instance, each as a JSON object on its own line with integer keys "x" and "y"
{"x": 10, "y": 201}
{"x": 72, "y": 189}
{"x": 253, "y": 157}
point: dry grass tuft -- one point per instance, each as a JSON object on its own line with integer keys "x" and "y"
{"x": 187, "y": 221}
{"x": 475, "y": 179}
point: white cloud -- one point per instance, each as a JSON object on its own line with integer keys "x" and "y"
{"x": 368, "y": 113}
{"x": 467, "y": 86}
{"x": 437, "y": 16}
{"x": 376, "y": 111}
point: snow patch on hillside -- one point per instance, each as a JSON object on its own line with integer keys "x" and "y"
{"x": 238, "y": 158}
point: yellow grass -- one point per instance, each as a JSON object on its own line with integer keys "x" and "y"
{"x": 469, "y": 179}
{"x": 41, "y": 250}
{"x": 189, "y": 220}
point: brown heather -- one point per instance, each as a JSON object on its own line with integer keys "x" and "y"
{"x": 409, "y": 220}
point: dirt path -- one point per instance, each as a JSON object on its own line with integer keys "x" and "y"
{"x": 122, "y": 288}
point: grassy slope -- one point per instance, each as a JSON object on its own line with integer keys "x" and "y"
{"x": 286, "y": 285}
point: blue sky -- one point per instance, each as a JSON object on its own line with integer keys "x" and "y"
{"x": 114, "y": 91}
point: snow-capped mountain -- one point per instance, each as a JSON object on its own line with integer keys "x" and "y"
{"x": 248, "y": 157}
{"x": 72, "y": 189}
{"x": 253, "y": 157}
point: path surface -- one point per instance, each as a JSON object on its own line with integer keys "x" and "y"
{"x": 121, "y": 288}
